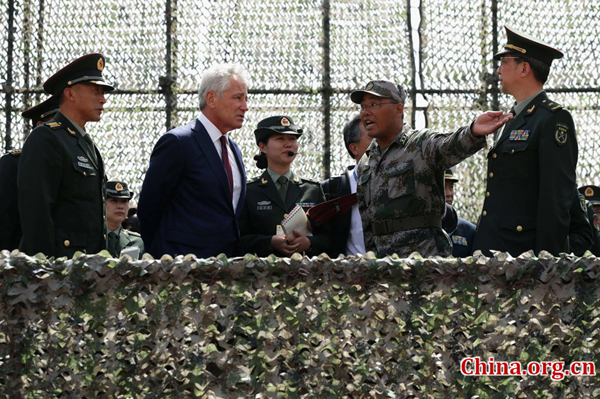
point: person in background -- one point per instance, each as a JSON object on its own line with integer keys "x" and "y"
{"x": 591, "y": 194}
{"x": 346, "y": 230}
{"x": 118, "y": 196}
{"x": 273, "y": 195}
{"x": 464, "y": 231}
{"x": 132, "y": 223}
{"x": 194, "y": 189}
{"x": 61, "y": 173}
{"x": 10, "y": 232}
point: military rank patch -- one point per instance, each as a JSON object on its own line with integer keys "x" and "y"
{"x": 561, "y": 134}
{"x": 458, "y": 240}
{"x": 519, "y": 135}
{"x": 264, "y": 206}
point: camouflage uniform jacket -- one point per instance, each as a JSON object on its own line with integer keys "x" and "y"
{"x": 401, "y": 190}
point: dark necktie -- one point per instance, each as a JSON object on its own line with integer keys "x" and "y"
{"x": 92, "y": 148}
{"x": 226, "y": 164}
{"x": 282, "y": 186}
{"x": 114, "y": 246}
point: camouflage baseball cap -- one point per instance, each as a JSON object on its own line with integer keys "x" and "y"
{"x": 380, "y": 88}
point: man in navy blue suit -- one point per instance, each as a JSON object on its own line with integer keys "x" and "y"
{"x": 195, "y": 187}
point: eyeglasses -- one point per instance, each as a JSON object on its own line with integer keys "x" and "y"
{"x": 363, "y": 107}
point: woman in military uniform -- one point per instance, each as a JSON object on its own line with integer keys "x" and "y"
{"x": 271, "y": 196}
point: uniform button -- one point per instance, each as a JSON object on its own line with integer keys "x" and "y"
{"x": 512, "y": 151}
{"x": 494, "y": 155}
{"x": 104, "y": 217}
{"x": 487, "y": 194}
{"x": 491, "y": 175}
{"x": 484, "y": 213}
{"x": 67, "y": 243}
{"x": 285, "y": 215}
{"x": 519, "y": 228}
{"x": 84, "y": 173}
{"x": 105, "y": 236}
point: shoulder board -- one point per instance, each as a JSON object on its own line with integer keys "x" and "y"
{"x": 15, "y": 152}
{"x": 309, "y": 180}
{"x": 551, "y": 105}
{"x": 253, "y": 180}
{"x": 53, "y": 124}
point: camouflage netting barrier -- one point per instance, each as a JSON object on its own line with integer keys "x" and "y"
{"x": 269, "y": 327}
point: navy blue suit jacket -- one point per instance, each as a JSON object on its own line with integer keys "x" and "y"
{"x": 185, "y": 204}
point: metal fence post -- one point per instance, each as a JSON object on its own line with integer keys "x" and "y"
{"x": 9, "y": 79}
{"x": 326, "y": 91}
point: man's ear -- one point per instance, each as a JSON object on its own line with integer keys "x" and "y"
{"x": 211, "y": 96}
{"x": 352, "y": 148}
{"x": 525, "y": 68}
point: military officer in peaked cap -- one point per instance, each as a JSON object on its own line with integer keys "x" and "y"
{"x": 531, "y": 165}
{"x": 591, "y": 194}
{"x": 10, "y": 225}
{"x": 117, "y": 208}
{"x": 61, "y": 173}
{"x": 272, "y": 196}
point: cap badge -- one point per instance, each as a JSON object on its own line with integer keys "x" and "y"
{"x": 589, "y": 192}
{"x": 119, "y": 187}
{"x": 285, "y": 122}
{"x": 369, "y": 86}
{"x": 100, "y": 64}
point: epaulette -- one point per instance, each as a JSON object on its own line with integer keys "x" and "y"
{"x": 15, "y": 153}
{"x": 551, "y": 105}
{"x": 131, "y": 233}
{"x": 253, "y": 180}
{"x": 306, "y": 180}
{"x": 53, "y": 125}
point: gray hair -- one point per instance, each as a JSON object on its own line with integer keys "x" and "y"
{"x": 352, "y": 133}
{"x": 216, "y": 78}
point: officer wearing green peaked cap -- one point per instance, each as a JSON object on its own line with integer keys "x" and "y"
{"x": 531, "y": 164}
{"x": 61, "y": 173}
{"x": 117, "y": 209}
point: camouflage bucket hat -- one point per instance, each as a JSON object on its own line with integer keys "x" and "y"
{"x": 380, "y": 88}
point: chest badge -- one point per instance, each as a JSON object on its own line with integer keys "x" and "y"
{"x": 519, "y": 135}
{"x": 264, "y": 206}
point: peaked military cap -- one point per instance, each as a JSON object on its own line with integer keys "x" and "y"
{"x": 449, "y": 175}
{"x": 380, "y": 88}
{"x": 118, "y": 189}
{"x": 591, "y": 193}
{"x": 87, "y": 69}
{"x": 519, "y": 43}
{"x": 46, "y": 109}
{"x": 275, "y": 124}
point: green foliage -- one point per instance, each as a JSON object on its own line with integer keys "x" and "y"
{"x": 289, "y": 328}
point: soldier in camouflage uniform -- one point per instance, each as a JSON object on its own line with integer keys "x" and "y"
{"x": 401, "y": 176}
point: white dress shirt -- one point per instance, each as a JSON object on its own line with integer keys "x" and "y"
{"x": 215, "y": 135}
{"x": 356, "y": 240}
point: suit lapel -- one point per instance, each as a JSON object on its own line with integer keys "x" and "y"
{"x": 520, "y": 120}
{"x": 240, "y": 163}
{"x": 216, "y": 164}
{"x": 270, "y": 190}
{"x": 293, "y": 193}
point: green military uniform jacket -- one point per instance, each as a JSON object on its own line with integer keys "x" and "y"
{"x": 61, "y": 186}
{"x": 401, "y": 190}
{"x": 530, "y": 182}
{"x": 10, "y": 226}
{"x": 127, "y": 239}
{"x": 264, "y": 210}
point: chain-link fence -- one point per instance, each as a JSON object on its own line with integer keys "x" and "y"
{"x": 304, "y": 57}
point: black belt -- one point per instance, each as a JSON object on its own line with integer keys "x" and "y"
{"x": 417, "y": 222}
